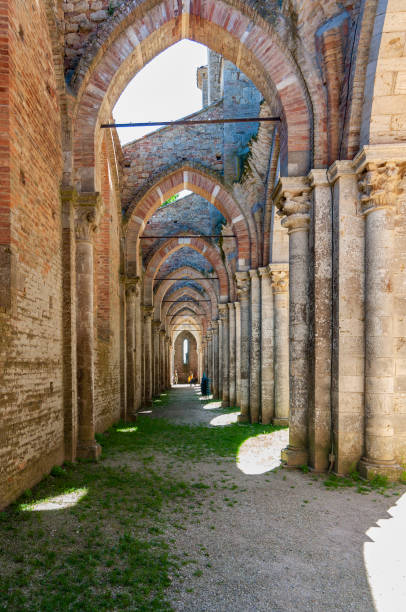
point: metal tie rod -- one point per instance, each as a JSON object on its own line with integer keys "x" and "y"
{"x": 187, "y": 236}
{"x": 192, "y": 301}
{"x": 192, "y": 122}
{"x": 187, "y": 278}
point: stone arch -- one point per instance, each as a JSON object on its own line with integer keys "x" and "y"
{"x": 211, "y": 189}
{"x": 140, "y": 31}
{"x": 165, "y": 286}
{"x": 186, "y": 292}
{"x": 384, "y": 111}
{"x": 191, "y": 307}
{"x": 174, "y": 244}
{"x": 187, "y": 320}
{"x": 184, "y": 370}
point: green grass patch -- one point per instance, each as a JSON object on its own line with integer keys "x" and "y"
{"x": 379, "y": 484}
{"x": 192, "y": 442}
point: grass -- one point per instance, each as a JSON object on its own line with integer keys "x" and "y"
{"x": 379, "y": 484}
{"x": 111, "y": 549}
{"x": 191, "y": 442}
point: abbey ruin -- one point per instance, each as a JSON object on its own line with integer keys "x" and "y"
{"x": 284, "y": 268}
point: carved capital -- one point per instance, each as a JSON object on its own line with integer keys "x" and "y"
{"x": 88, "y": 214}
{"x": 264, "y": 272}
{"x": 156, "y": 325}
{"x": 132, "y": 289}
{"x": 163, "y": 333}
{"x": 243, "y": 285}
{"x": 280, "y": 281}
{"x": 380, "y": 185}
{"x": 292, "y": 198}
{"x": 148, "y": 311}
{"x": 223, "y": 311}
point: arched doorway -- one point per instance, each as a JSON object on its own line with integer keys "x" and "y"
{"x": 185, "y": 359}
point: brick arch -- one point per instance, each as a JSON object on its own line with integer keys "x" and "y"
{"x": 166, "y": 285}
{"x": 188, "y": 320}
{"x": 174, "y": 244}
{"x": 142, "y": 30}
{"x": 212, "y": 190}
{"x": 192, "y": 307}
{"x": 188, "y": 292}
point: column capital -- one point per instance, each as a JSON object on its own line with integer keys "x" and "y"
{"x": 280, "y": 279}
{"x": 69, "y": 195}
{"x": 162, "y": 332}
{"x": 339, "y": 169}
{"x": 223, "y": 311}
{"x": 215, "y": 324}
{"x": 132, "y": 286}
{"x": 88, "y": 213}
{"x": 292, "y": 197}
{"x": 253, "y": 274}
{"x": 148, "y": 311}
{"x": 264, "y": 272}
{"x": 156, "y": 325}
{"x": 243, "y": 285}
{"x": 380, "y": 185}
{"x": 318, "y": 178}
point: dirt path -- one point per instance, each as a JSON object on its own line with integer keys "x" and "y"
{"x": 280, "y": 541}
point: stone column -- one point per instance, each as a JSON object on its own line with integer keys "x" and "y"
{"x": 267, "y": 348}
{"x": 237, "y": 354}
{"x": 69, "y": 198}
{"x": 292, "y": 198}
{"x": 148, "y": 363}
{"x": 320, "y": 321}
{"x": 280, "y": 286}
{"x": 204, "y": 348}
{"x": 123, "y": 349}
{"x": 223, "y": 311}
{"x": 156, "y": 326}
{"x": 131, "y": 291}
{"x": 243, "y": 291}
{"x": 162, "y": 376}
{"x": 255, "y": 348}
{"x": 379, "y": 184}
{"x": 87, "y": 217}
{"x": 232, "y": 381}
{"x": 210, "y": 357}
{"x": 138, "y": 349}
{"x": 215, "y": 386}
{"x": 220, "y": 392}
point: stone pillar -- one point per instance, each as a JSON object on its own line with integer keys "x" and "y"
{"x": 379, "y": 184}
{"x": 204, "y": 347}
{"x": 162, "y": 376}
{"x": 223, "y": 311}
{"x": 231, "y": 350}
{"x": 148, "y": 363}
{"x": 88, "y": 213}
{"x": 280, "y": 287}
{"x": 348, "y": 341}
{"x": 255, "y": 348}
{"x": 320, "y": 321}
{"x": 237, "y": 354}
{"x": 123, "y": 349}
{"x": 292, "y": 198}
{"x": 220, "y": 392}
{"x": 70, "y": 400}
{"x": 138, "y": 349}
{"x": 215, "y": 385}
{"x": 156, "y": 326}
{"x": 267, "y": 348}
{"x": 210, "y": 357}
{"x": 131, "y": 291}
{"x": 243, "y": 291}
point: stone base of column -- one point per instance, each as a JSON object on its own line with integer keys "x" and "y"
{"x": 281, "y": 422}
{"x": 89, "y": 450}
{"x": 294, "y": 457}
{"x": 368, "y": 469}
{"x": 243, "y": 418}
{"x": 225, "y": 404}
{"x": 131, "y": 418}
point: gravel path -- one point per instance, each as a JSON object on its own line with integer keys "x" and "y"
{"x": 280, "y": 541}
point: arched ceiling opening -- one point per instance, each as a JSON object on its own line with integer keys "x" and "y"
{"x": 198, "y": 244}
{"x": 141, "y": 30}
{"x": 211, "y": 189}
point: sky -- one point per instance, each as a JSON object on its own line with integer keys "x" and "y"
{"x": 165, "y": 89}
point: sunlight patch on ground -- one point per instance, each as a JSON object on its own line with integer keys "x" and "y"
{"x": 225, "y": 419}
{"x": 213, "y": 405}
{"x": 262, "y": 453}
{"x": 145, "y": 412}
{"x": 385, "y": 560}
{"x": 60, "y": 502}
{"x": 126, "y": 429}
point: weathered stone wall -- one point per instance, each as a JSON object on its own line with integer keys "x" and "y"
{"x": 31, "y": 415}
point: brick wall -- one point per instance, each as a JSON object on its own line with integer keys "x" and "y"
{"x": 31, "y": 415}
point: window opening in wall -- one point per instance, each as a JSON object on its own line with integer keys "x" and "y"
{"x": 185, "y": 351}
{"x": 165, "y": 88}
